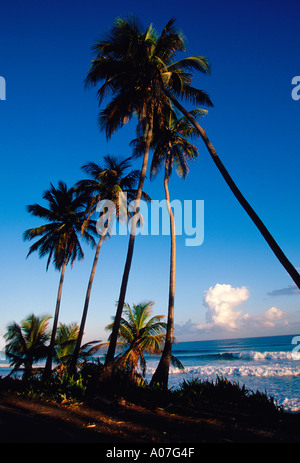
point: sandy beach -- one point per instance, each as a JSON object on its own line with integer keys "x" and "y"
{"x": 26, "y": 421}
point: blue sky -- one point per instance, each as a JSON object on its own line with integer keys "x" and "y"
{"x": 231, "y": 285}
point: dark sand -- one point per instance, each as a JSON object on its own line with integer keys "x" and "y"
{"x": 25, "y": 421}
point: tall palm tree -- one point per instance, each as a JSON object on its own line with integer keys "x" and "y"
{"x": 26, "y": 343}
{"x": 60, "y": 239}
{"x": 139, "y": 333}
{"x": 129, "y": 63}
{"x": 107, "y": 183}
{"x": 172, "y": 147}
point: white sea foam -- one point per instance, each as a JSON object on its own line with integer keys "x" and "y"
{"x": 260, "y": 370}
{"x": 254, "y": 355}
{"x": 291, "y": 405}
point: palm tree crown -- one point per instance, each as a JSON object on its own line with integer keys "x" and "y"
{"x": 26, "y": 343}
{"x": 110, "y": 182}
{"x": 139, "y": 333}
{"x": 135, "y": 65}
{"x": 67, "y": 335}
{"x": 60, "y": 237}
{"x": 172, "y": 146}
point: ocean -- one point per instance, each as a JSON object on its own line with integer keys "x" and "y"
{"x": 268, "y": 364}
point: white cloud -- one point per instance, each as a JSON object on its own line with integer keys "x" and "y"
{"x": 269, "y": 318}
{"x": 222, "y": 302}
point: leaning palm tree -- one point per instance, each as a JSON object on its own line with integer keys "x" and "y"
{"x": 26, "y": 343}
{"x": 60, "y": 239}
{"x": 107, "y": 185}
{"x": 129, "y": 65}
{"x": 172, "y": 147}
{"x": 176, "y": 83}
{"x": 139, "y": 333}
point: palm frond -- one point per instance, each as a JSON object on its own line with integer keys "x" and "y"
{"x": 176, "y": 362}
{"x": 139, "y": 332}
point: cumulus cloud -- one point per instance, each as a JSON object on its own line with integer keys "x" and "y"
{"x": 268, "y": 319}
{"x": 221, "y": 302}
{"x": 223, "y": 313}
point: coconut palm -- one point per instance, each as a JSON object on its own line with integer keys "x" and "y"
{"x": 129, "y": 63}
{"x": 65, "y": 341}
{"x": 26, "y": 343}
{"x": 60, "y": 238}
{"x": 109, "y": 184}
{"x": 66, "y": 338}
{"x": 139, "y": 333}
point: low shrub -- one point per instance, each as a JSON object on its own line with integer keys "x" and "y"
{"x": 222, "y": 392}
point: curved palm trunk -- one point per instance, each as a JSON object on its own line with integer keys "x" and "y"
{"x": 72, "y": 368}
{"x": 48, "y": 366}
{"x": 114, "y": 335}
{"x": 244, "y": 203}
{"x": 161, "y": 374}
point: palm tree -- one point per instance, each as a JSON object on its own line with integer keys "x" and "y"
{"x": 138, "y": 334}
{"x": 65, "y": 343}
{"x": 130, "y": 62}
{"x": 172, "y": 147}
{"x": 27, "y": 343}
{"x": 60, "y": 239}
{"x": 107, "y": 183}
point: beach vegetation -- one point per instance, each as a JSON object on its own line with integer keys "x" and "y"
{"x": 190, "y": 397}
{"x": 140, "y": 334}
{"x": 222, "y": 392}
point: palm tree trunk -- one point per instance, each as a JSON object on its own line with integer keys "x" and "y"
{"x": 28, "y": 369}
{"x": 244, "y": 203}
{"x": 72, "y": 368}
{"x": 114, "y": 335}
{"x": 48, "y": 366}
{"x": 161, "y": 374}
